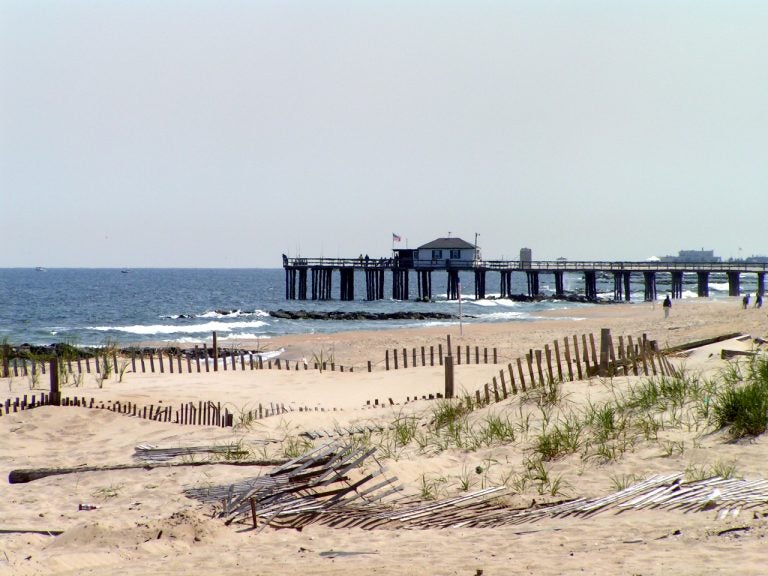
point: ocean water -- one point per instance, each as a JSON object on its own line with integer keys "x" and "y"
{"x": 89, "y": 307}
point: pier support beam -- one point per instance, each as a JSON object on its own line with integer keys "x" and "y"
{"x": 627, "y": 286}
{"x": 590, "y": 285}
{"x": 533, "y": 282}
{"x": 322, "y": 277}
{"x": 479, "y": 284}
{"x": 374, "y": 283}
{"x": 302, "y": 283}
{"x": 761, "y": 283}
{"x": 650, "y": 285}
{"x": 677, "y": 284}
{"x": 618, "y": 287}
{"x": 454, "y": 285}
{"x": 347, "y": 285}
{"x": 424, "y": 278}
{"x": 734, "y": 279}
{"x": 290, "y": 283}
{"x": 400, "y": 283}
{"x": 621, "y": 286}
{"x": 703, "y": 283}
{"x": 505, "y": 290}
{"x": 294, "y": 275}
{"x": 559, "y": 284}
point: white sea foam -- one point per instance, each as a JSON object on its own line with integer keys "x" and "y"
{"x": 495, "y": 303}
{"x": 484, "y": 303}
{"x": 233, "y": 314}
{"x": 239, "y": 336}
{"x": 244, "y": 336}
{"x": 180, "y": 329}
{"x": 499, "y": 316}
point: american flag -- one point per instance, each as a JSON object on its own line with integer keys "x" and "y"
{"x": 395, "y": 237}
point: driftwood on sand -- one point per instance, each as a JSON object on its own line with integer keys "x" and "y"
{"x": 24, "y": 475}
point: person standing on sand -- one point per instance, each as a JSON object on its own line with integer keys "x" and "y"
{"x": 745, "y": 301}
{"x": 758, "y": 300}
{"x": 667, "y": 306}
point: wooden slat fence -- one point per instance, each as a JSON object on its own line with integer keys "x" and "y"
{"x": 572, "y": 359}
{"x": 200, "y": 413}
{"x": 161, "y": 362}
{"x": 547, "y": 366}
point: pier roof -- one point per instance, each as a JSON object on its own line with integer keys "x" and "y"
{"x": 447, "y": 244}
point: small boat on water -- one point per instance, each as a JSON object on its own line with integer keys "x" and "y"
{"x": 40, "y": 269}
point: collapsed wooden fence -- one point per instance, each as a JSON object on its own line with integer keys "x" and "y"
{"x": 335, "y": 485}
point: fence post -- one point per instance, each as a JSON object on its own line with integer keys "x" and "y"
{"x": 605, "y": 342}
{"x": 55, "y": 390}
{"x": 215, "y": 353}
{"x": 449, "y": 376}
{"x": 6, "y": 355}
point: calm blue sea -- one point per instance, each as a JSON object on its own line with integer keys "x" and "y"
{"x": 92, "y": 306}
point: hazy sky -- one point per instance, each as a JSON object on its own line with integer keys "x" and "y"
{"x": 224, "y": 133}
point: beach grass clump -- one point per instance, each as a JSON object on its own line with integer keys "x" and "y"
{"x": 496, "y": 428}
{"x": 293, "y": 446}
{"x": 561, "y": 438}
{"x": 392, "y": 443}
{"x": 540, "y": 477}
{"x": 719, "y": 469}
{"x": 743, "y": 410}
{"x": 741, "y": 406}
{"x": 237, "y": 451}
{"x": 623, "y": 481}
{"x": 663, "y": 393}
{"x": 547, "y": 396}
{"x": 404, "y": 429}
{"x": 322, "y": 358}
{"x": 447, "y": 412}
{"x": 432, "y": 488}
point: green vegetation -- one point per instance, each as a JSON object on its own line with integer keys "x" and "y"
{"x": 661, "y": 412}
{"x": 742, "y": 406}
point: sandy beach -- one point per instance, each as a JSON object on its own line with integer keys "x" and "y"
{"x": 143, "y": 523}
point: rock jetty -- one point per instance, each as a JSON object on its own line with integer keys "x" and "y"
{"x": 338, "y": 315}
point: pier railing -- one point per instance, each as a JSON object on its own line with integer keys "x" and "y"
{"x": 530, "y": 265}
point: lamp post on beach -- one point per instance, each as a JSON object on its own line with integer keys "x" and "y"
{"x": 461, "y": 326}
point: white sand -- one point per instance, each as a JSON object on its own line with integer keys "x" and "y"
{"x": 135, "y": 506}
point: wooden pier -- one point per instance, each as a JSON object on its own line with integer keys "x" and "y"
{"x": 321, "y": 271}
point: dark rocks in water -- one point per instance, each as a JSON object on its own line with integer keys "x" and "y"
{"x": 361, "y": 315}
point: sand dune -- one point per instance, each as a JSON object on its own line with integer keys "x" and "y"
{"x": 144, "y": 524}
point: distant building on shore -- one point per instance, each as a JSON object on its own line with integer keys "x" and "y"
{"x": 693, "y": 256}
{"x": 756, "y": 259}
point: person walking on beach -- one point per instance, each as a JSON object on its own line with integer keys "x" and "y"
{"x": 745, "y": 301}
{"x": 758, "y": 300}
{"x": 667, "y": 306}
